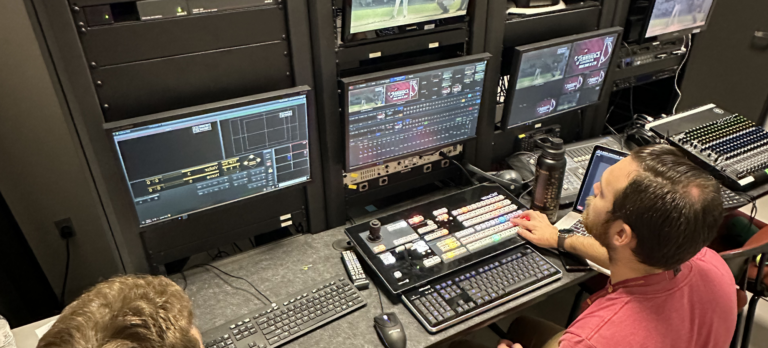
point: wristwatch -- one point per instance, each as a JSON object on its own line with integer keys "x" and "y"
{"x": 561, "y": 237}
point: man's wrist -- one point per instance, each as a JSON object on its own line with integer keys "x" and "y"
{"x": 562, "y": 236}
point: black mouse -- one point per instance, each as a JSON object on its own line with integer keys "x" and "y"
{"x": 390, "y": 330}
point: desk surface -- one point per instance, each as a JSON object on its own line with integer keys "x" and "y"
{"x": 290, "y": 265}
{"x": 279, "y": 269}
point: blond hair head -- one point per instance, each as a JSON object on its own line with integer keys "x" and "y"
{"x": 135, "y": 311}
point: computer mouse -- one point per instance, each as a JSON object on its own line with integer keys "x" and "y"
{"x": 390, "y": 330}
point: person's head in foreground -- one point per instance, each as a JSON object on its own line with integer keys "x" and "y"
{"x": 655, "y": 208}
{"x": 127, "y": 312}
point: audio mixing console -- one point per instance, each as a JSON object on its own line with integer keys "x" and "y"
{"x": 730, "y": 146}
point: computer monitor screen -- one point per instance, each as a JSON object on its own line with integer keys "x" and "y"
{"x": 183, "y": 163}
{"x": 558, "y": 76}
{"x": 669, "y": 16}
{"x": 366, "y": 15}
{"x": 399, "y": 112}
{"x": 602, "y": 159}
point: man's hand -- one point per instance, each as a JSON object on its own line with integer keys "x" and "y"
{"x": 508, "y": 344}
{"x": 538, "y": 230}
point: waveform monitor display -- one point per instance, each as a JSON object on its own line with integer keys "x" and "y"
{"x": 397, "y": 113}
{"x": 183, "y": 164}
{"x": 559, "y": 75}
{"x": 669, "y": 16}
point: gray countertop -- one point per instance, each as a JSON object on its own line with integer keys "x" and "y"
{"x": 291, "y": 265}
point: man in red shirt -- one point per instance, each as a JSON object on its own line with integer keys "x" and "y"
{"x": 651, "y": 217}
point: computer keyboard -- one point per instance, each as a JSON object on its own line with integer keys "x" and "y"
{"x": 288, "y": 318}
{"x": 466, "y": 292}
{"x": 731, "y": 200}
{"x": 578, "y": 228}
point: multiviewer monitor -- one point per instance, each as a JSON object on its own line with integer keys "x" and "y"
{"x": 367, "y": 15}
{"x": 398, "y": 113}
{"x": 669, "y": 16}
{"x": 188, "y": 160}
{"x": 559, "y": 75}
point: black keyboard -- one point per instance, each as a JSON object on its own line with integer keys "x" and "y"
{"x": 480, "y": 287}
{"x": 288, "y": 318}
{"x": 731, "y": 200}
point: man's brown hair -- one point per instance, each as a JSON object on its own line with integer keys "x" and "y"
{"x": 126, "y": 312}
{"x": 673, "y": 207}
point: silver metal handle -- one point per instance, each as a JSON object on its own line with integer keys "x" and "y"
{"x": 761, "y": 34}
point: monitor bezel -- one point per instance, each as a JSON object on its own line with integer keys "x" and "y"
{"x": 583, "y": 184}
{"x": 346, "y": 22}
{"x": 517, "y": 59}
{"x": 415, "y": 69}
{"x": 676, "y": 33}
{"x": 199, "y": 110}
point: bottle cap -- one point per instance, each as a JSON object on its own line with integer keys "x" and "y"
{"x": 551, "y": 147}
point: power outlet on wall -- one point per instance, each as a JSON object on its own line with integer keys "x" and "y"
{"x": 65, "y": 227}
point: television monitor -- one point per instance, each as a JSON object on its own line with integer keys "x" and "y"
{"x": 368, "y": 15}
{"x": 398, "y": 113}
{"x": 183, "y": 161}
{"x": 672, "y": 16}
{"x": 558, "y": 75}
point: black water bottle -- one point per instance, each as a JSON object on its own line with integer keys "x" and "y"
{"x": 550, "y": 172}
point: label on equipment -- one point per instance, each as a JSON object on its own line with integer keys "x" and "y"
{"x": 746, "y": 180}
{"x": 201, "y": 128}
{"x": 286, "y": 216}
{"x": 434, "y": 44}
{"x": 287, "y": 223}
{"x": 374, "y": 55}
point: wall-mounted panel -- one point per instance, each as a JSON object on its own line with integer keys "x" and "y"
{"x": 353, "y": 55}
{"x": 136, "y": 89}
{"x": 137, "y": 41}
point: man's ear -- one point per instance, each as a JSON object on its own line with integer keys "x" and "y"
{"x": 623, "y": 235}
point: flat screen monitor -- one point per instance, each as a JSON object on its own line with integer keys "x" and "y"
{"x": 399, "y": 113}
{"x": 368, "y": 15}
{"x": 669, "y": 16}
{"x": 559, "y": 75}
{"x": 184, "y": 161}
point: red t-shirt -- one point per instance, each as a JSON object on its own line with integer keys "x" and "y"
{"x": 695, "y": 308}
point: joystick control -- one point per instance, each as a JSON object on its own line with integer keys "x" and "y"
{"x": 374, "y": 232}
